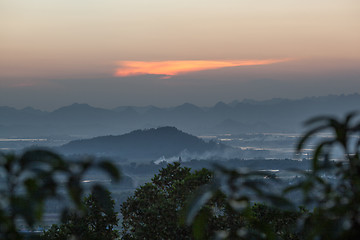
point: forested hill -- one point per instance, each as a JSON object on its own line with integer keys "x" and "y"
{"x": 149, "y": 143}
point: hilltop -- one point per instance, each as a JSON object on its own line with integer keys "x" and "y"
{"x": 142, "y": 144}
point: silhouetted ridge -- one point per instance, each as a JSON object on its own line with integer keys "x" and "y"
{"x": 77, "y": 108}
{"x": 82, "y": 114}
{"x": 187, "y": 107}
{"x": 282, "y": 115}
{"x": 149, "y": 143}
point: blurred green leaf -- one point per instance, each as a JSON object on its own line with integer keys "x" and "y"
{"x": 111, "y": 169}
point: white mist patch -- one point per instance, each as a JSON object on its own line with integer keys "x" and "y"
{"x": 186, "y": 156}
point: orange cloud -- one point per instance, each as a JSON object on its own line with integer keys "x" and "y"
{"x": 172, "y": 68}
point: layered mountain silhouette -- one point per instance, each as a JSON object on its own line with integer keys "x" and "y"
{"x": 83, "y": 120}
{"x": 143, "y": 144}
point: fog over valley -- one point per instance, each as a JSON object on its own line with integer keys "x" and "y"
{"x": 240, "y": 129}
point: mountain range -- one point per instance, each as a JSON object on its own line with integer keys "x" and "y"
{"x": 83, "y": 120}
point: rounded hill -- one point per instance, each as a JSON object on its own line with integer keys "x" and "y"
{"x": 140, "y": 144}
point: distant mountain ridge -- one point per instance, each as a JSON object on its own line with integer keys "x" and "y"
{"x": 142, "y": 144}
{"x": 282, "y": 115}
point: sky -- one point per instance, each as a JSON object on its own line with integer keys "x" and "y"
{"x": 167, "y": 52}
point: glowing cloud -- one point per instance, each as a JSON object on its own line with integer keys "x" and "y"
{"x": 172, "y": 68}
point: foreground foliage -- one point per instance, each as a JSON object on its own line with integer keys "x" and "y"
{"x": 337, "y": 212}
{"x": 154, "y": 210}
{"x": 223, "y": 206}
{"x": 28, "y": 180}
{"x": 332, "y": 188}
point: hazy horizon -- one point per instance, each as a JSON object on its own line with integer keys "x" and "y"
{"x": 165, "y": 53}
{"x": 291, "y": 79}
{"x": 179, "y": 104}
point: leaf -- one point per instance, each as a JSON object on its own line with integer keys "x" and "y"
{"x": 310, "y": 133}
{"x": 38, "y": 155}
{"x": 74, "y": 189}
{"x": 350, "y": 116}
{"x": 198, "y": 201}
{"x": 280, "y": 202}
{"x": 31, "y": 185}
{"x": 318, "y": 119}
{"x": 318, "y": 152}
{"x": 111, "y": 169}
{"x": 200, "y": 223}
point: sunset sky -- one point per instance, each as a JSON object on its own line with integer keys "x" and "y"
{"x": 167, "y": 52}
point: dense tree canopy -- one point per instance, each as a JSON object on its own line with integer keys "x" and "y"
{"x": 154, "y": 211}
{"x": 96, "y": 222}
